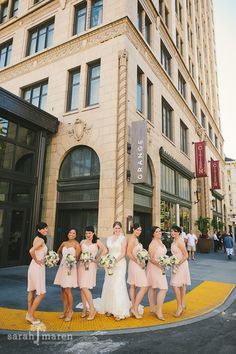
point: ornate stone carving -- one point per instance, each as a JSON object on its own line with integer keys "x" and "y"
{"x": 78, "y": 129}
{"x": 121, "y": 134}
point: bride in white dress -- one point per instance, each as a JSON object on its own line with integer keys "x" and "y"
{"x": 115, "y": 299}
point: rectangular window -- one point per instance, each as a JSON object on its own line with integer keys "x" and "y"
{"x": 167, "y": 119}
{"x": 216, "y": 141}
{"x": 36, "y": 94}
{"x": 166, "y": 17}
{"x": 210, "y": 131}
{"x": 80, "y": 18}
{"x": 181, "y": 47}
{"x": 184, "y": 187}
{"x": 73, "y": 90}
{"x": 5, "y": 53}
{"x": 194, "y": 104}
{"x": 149, "y": 99}
{"x": 165, "y": 59}
{"x": 96, "y": 13}
{"x": 40, "y": 37}
{"x": 140, "y": 18}
{"x": 161, "y": 7}
{"x": 167, "y": 179}
{"x": 93, "y": 84}
{"x": 203, "y": 120}
{"x": 3, "y": 11}
{"x": 177, "y": 39}
{"x": 140, "y": 78}
{"x": 183, "y": 137}
{"x": 148, "y": 30}
{"x": 181, "y": 85}
{"x": 14, "y": 8}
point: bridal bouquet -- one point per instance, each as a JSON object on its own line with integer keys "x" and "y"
{"x": 51, "y": 259}
{"x": 70, "y": 262}
{"x": 174, "y": 262}
{"x": 164, "y": 262}
{"x": 108, "y": 262}
{"x": 86, "y": 258}
{"x": 142, "y": 256}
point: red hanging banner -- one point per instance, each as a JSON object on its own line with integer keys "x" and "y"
{"x": 200, "y": 159}
{"x": 215, "y": 174}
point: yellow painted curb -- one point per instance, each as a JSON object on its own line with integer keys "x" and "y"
{"x": 202, "y": 299}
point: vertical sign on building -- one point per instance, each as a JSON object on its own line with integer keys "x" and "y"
{"x": 200, "y": 159}
{"x": 215, "y": 174}
{"x": 139, "y": 152}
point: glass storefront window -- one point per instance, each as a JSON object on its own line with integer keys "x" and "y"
{"x": 79, "y": 195}
{"x": 24, "y": 160}
{"x": 6, "y": 155}
{"x": 1, "y": 228}
{"x": 25, "y": 136}
{"x": 4, "y": 190}
{"x": 7, "y": 129}
{"x": 184, "y": 217}
{"x": 21, "y": 193}
{"x": 184, "y": 188}
{"x": 167, "y": 179}
{"x": 168, "y": 215}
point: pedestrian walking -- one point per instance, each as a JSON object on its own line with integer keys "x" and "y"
{"x": 229, "y": 246}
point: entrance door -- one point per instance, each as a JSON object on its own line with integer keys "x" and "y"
{"x": 145, "y": 220}
{"x": 78, "y": 219}
{"x": 13, "y": 236}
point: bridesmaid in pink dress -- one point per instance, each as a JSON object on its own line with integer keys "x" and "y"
{"x": 155, "y": 276}
{"x": 36, "y": 272}
{"x": 136, "y": 274}
{"x": 87, "y": 278}
{"x": 65, "y": 277}
{"x": 181, "y": 278}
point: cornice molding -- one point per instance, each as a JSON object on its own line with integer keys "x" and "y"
{"x": 170, "y": 161}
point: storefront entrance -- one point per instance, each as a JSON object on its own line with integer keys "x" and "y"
{"x": 15, "y": 223}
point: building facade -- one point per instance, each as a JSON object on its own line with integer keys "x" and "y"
{"x": 231, "y": 195}
{"x": 99, "y": 66}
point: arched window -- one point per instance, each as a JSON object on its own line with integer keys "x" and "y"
{"x": 81, "y": 162}
{"x": 78, "y": 192}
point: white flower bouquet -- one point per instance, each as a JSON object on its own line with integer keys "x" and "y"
{"x": 142, "y": 256}
{"x": 51, "y": 259}
{"x": 108, "y": 262}
{"x": 86, "y": 258}
{"x": 70, "y": 262}
{"x": 164, "y": 262}
{"x": 174, "y": 262}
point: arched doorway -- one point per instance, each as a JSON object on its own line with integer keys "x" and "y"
{"x": 143, "y": 207}
{"x": 78, "y": 192}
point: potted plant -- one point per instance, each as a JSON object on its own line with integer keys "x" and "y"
{"x": 204, "y": 242}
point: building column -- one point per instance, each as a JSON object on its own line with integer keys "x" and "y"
{"x": 121, "y": 145}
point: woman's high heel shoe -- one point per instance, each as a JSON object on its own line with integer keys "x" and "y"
{"x": 136, "y": 315}
{"x": 91, "y": 316}
{"x": 32, "y": 320}
{"x": 179, "y": 312}
{"x": 69, "y": 316}
{"x": 83, "y": 314}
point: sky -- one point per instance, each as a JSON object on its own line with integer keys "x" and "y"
{"x": 225, "y": 35}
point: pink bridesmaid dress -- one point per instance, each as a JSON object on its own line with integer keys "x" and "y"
{"x": 87, "y": 278}
{"x": 62, "y": 278}
{"x": 36, "y": 273}
{"x": 154, "y": 273}
{"x": 136, "y": 275}
{"x": 182, "y": 275}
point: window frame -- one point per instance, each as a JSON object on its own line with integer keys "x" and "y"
{"x": 36, "y": 29}
{"x": 32, "y": 87}
{"x": 8, "y": 46}
{"x": 90, "y": 66}
{"x": 167, "y": 119}
{"x": 71, "y": 87}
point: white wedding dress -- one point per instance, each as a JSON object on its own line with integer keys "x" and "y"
{"x": 115, "y": 298}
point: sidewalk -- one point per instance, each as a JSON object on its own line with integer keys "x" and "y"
{"x": 213, "y": 280}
